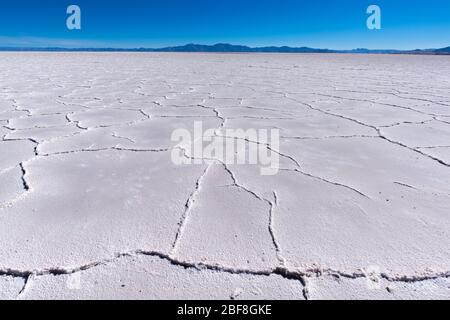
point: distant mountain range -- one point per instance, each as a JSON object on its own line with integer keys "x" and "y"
{"x": 443, "y": 50}
{"x": 225, "y": 47}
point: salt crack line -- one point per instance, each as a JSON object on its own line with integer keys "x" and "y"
{"x": 327, "y": 181}
{"x": 188, "y": 208}
{"x": 285, "y": 272}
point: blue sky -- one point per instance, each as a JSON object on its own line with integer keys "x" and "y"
{"x": 336, "y": 24}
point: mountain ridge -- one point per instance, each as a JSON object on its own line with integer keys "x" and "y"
{"x": 230, "y": 48}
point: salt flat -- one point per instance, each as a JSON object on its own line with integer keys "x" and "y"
{"x": 92, "y": 205}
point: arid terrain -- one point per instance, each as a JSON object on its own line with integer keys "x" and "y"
{"x": 93, "y": 207}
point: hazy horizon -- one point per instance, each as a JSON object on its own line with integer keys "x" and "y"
{"x": 210, "y": 44}
{"x": 324, "y": 24}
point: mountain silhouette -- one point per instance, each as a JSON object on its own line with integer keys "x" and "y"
{"x": 226, "y": 47}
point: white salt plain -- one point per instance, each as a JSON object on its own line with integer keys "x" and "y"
{"x": 92, "y": 207}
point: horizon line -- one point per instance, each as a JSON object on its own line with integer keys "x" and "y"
{"x": 237, "y": 48}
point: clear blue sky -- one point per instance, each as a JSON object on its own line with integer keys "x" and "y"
{"x": 337, "y": 24}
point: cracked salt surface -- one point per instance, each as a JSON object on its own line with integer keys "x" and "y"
{"x": 91, "y": 205}
{"x": 153, "y": 278}
{"x": 10, "y": 287}
{"x": 336, "y": 287}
